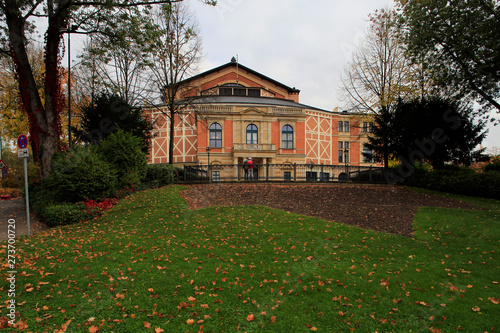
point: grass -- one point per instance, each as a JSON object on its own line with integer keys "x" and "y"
{"x": 152, "y": 265}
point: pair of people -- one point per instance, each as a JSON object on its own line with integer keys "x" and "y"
{"x": 250, "y": 169}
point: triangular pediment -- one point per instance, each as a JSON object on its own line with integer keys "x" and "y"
{"x": 253, "y": 110}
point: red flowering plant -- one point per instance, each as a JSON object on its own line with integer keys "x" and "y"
{"x": 96, "y": 208}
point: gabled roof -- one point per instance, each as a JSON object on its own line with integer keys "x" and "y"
{"x": 234, "y": 64}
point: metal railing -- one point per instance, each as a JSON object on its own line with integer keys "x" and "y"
{"x": 283, "y": 173}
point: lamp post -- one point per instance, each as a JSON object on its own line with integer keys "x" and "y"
{"x": 208, "y": 170}
{"x": 71, "y": 29}
{"x": 346, "y": 156}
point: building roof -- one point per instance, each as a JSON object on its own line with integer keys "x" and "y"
{"x": 234, "y": 63}
{"x": 253, "y": 101}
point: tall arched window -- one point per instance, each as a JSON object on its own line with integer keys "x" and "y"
{"x": 252, "y": 134}
{"x": 215, "y": 135}
{"x": 287, "y": 137}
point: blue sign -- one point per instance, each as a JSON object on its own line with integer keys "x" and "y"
{"x": 22, "y": 141}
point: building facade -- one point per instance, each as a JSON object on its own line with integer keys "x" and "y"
{"x": 241, "y": 113}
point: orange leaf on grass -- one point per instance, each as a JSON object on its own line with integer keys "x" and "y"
{"x": 250, "y": 317}
{"x": 190, "y": 321}
{"x": 146, "y": 324}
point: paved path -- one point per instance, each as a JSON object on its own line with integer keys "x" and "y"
{"x": 16, "y": 209}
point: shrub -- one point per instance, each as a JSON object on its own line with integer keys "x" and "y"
{"x": 122, "y": 151}
{"x": 461, "y": 181}
{"x": 79, "y": 174}
{"x": 65, "y": 213}
{"x": 493, "y": 165}
{"x": 158, "y": 175}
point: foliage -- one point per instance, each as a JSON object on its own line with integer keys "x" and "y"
{"x": 62, "y": 16}
{"x": 64, "y": 214}
{"x": 13, "y": 192}
{"x": 108, "y": 114}
{"x": 433, "y": 130}
{"x": 122, "y": 151}
{"x": 120, "y": 58}
{"x": 457, "y": 40}
{"x": 379, "y": 72}
{"x": 460, "y": 181}
{"x": 258, "y": 269}
{"x": 493, "y": 164}
{"x": 158, "y": 175}
{"x": 15, "y": 174}
{"x": 80, "y": 173}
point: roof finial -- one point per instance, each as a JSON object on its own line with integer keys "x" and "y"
{"x": 233, "y": 59}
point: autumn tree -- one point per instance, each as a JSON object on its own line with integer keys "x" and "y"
{"x": 16, "y": 22}
{"x": 458, "y": 42}
{"x": 13, "y": 120}
{"x": 175, "y": 55}
{"x": 379, "y": 72}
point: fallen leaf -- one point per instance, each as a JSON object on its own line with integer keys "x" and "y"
{"x": 250, "y": 317}
{"x": 476, "y": 309}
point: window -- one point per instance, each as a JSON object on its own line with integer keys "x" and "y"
{"x": 368, "y": 127}
{"x": 367, "y": 155}
{"x": 341, "y": 126}
{"x": 346, "y": 126}
{"x": 216, "y": 176}
{"x": 225, "y": 91}
{"x": 254, "y": 92}
{"x": 343, "y": 151}
{"x": 215, "y": 135}
{"x": 287, "y": 175}
{"x": 252, "y": 134}
{"x": 287, "y": 137}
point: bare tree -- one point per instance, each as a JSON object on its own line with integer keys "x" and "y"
{"x": 379, "y": 71}
{"x": 176, "y": 54}
{"x": 120, "y": 58}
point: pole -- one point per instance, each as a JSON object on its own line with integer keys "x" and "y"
{"x": 69, "y": 87}
{"x": 27, "y": 195}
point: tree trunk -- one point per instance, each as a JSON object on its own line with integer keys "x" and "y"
{"x": 172, "y": 136}
{"x": 44, "y": 121}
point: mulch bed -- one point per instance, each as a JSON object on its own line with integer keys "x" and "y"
{"x": 382, "y": 208}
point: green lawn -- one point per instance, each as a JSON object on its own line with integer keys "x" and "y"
{"x": 150, "y": 264}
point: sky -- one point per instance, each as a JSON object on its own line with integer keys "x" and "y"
{"x": 305, "y": 44}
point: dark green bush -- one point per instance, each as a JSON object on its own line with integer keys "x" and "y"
{"x": 463, "y": 181}
{"x": 66, "y": 213}
{"x": 122, "y": 151}
{"x": 79, "y": 174}
{"x": 158, "y": 175}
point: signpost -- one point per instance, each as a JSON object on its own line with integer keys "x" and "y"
{"x": 23, "y": 152}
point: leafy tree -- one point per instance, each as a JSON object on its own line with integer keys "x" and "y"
{"x": 108, "y": 114}
{"x": 431, "y": 130}
{"x": 458, "y": 42}
{"x": 122, "y": 150}
{"x": 16, "y": 17}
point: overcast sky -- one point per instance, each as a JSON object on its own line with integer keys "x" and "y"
{"x": 301, "y": 43}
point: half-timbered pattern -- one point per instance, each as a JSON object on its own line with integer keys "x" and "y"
{"x": 241, "y": 113}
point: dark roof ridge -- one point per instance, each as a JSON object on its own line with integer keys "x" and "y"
{"x": 291, "y": 90}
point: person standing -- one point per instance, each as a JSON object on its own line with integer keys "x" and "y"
{"x": 250, "y": 168}
{"x": 245, "y": 168}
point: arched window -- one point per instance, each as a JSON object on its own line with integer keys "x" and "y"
{"x": 287, "y": 137}
{"x": 252, "y": 134}
{"x": 215, "y": 135}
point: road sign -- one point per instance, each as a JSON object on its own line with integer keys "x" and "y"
{"x": 3, "y": 166}
{"x": 23, "y": 152}
{"x": 22, "y": 141}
